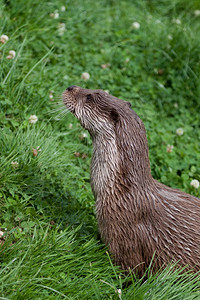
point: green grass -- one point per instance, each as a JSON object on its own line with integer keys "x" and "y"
{"x": 51, "y": 247}
{"x": 55, "y": 264}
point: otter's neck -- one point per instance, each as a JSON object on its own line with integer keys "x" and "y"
{"x": 120, "y": 157}
{"x": 105, "y": 163}
{"x": 133, "y": 153}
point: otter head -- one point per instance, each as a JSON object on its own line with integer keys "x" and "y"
{"x": 97, "y": 110}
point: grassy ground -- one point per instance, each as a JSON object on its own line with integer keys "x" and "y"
{"x": 50, "y": 247}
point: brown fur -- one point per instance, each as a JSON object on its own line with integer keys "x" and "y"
{"x": 137, "y": 216}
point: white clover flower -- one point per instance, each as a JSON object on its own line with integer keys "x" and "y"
{"x": 11, "y": 55}
{"x": 105, "y": 66}
{"x": 176, "y": 21}
{"x": 179, "y": 131}
{"x": 33, "y": 119}
{"x": 14, "y": 164}
{"x": 66, "y": 77}
{"x": 54, "y": 15}
{"x": 4, "y": 38}
{"x": 195, "y": 183}
{"x": 61, "y": 28}
{"x": 51, "y": 95}
{"x": 85, "y": 76}
{"x": 170, "y": 148}
{"x": 119, "y": 291}
{"x": 197, "y": 12}
{"x": 135, "y": 25}
{"x": 63, "y": 8}
{"x": 83, "y": 135}
{"x": 170, "y": 37}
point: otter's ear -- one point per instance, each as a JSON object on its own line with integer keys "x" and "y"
{"x": 114, "y": 115}
{"x": 129, "y": 104}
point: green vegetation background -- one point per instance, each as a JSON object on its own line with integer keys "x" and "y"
{"x": 50, "y": 248}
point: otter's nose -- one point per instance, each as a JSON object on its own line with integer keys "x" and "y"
{"x": 70, "y": 88}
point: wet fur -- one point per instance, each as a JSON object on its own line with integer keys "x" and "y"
{"x": 137, "y": 216}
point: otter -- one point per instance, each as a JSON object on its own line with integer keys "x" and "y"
{"x": 139, "y": 218}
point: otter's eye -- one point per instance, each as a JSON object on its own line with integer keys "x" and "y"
{"x": 88, "y": 98}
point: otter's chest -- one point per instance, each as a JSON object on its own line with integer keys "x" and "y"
{"x": 104, "y": 166}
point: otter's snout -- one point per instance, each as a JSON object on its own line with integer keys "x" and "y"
{"x": 70, "y": 88}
